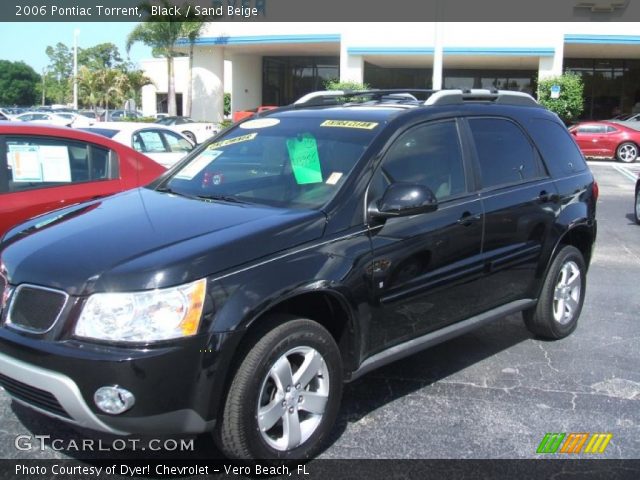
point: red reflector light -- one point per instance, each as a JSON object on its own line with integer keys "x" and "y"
{"x": 596, "y": 190}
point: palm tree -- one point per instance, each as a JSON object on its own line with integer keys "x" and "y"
{"x": 161, "y": 33}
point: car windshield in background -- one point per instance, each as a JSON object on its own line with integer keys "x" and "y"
{"x": 282, "y": 162}
{"x": 105, "y": 132}
{"x": 175, "y": 120}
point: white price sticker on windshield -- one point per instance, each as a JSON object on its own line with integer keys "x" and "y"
{"x": 199, "y": 164}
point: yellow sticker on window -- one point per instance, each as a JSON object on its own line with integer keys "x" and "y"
{"x": 349, "y": 124}
{"x": 232, "y": 141}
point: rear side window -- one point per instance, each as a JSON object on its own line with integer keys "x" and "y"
{"x": 590, "y": 129}
{"x": 559, "y": 151}
{"x": 28, "y": 162}
{"x": 149, "y": 141}
{"x": 176, "y": 143}
{"x": 505, "y": 154}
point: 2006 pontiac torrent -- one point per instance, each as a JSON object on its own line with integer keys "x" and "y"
{"x": 295, "y": 251}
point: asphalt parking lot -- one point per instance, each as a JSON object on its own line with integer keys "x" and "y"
{"x": 493, "y": 393}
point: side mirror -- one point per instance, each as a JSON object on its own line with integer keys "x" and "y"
{"x": 404, "y": 199}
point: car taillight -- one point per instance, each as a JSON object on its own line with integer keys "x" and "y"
{"x": 595, "y": 190}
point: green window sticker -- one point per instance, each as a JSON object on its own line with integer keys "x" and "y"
{"x": 305, "y": 162}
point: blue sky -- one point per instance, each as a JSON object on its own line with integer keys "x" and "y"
{"x": 27, "y": 41}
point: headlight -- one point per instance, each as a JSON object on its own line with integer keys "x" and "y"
{"x": 143, "y": 316}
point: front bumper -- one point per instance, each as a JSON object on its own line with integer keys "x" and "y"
{"x": 177, "y": 387}
{"x": 50, "y": 393}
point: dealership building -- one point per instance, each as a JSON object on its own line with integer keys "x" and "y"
{"x": 266, "y": 63}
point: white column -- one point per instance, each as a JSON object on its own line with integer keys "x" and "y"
{"x": 208, "y": 84}
{"x": 552, "y": 66}
{"x": 351, "y": 66}
{"x": 246, "y": 82}
{"x": 149, "y": 107}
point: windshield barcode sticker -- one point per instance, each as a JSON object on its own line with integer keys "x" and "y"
{"x": 232, "y": 141}
{"x": 349, "y": 124}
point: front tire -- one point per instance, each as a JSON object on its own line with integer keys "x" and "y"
{"x": 560, "y": 303}
{"x": 627, "y": 152}
{"x": 285, "y": 395}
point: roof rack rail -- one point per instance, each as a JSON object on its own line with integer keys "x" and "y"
{"x": 503, "y": 97}
{"x": 334, "y": 97}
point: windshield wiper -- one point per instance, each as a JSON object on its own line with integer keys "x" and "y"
{"x": 168, "y": 190}
{"x": 222, "y": 198}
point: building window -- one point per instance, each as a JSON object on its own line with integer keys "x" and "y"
{"x": 385, "y": 77}
{"x": 611, "y": 87}
{"x": 286, "y": 79}
{"x": 517, "y": 80}
{"x": 163, "y": 107}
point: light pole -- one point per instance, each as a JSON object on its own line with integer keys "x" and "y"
{"x": 76, "y": 32}
{"x": 436, "y": 79}
{"x": 44, "y": 78}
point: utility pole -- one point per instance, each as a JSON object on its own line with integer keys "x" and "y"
{"x": 44, "y": 77}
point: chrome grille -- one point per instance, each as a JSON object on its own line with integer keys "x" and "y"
{"x": 35, "y": 309}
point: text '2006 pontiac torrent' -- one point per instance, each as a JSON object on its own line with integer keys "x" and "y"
{"x": 294, "y": 252}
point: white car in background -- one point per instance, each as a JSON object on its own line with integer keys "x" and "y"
{"x": 77, "y": 120}
{"x": 197, "y": 132}
{"x": 45, "y": 118}
{"x": 157, "y": 142}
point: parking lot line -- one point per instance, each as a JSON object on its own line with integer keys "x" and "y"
{"x": 624, "y": 171}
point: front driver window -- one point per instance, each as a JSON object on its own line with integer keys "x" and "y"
{"x": 428, "y": 155}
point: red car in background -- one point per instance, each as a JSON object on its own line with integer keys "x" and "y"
{"x": 607, "y": 139}
{"x": 242, "y": 114}
{"x": 44, "y": 168}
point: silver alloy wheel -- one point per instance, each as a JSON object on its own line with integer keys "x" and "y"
{"x": 566, "y": 296}
{"x": 627, "y": 152}
{"x": 293, "y": 398}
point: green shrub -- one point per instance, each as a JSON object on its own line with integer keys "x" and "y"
{"x": 227, "y": 104}
{"x": 570, "y": 103}
{"x": 335, "y": 84}
{"x": 139, "y": 119}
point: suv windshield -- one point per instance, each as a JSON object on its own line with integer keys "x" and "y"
{"x": 282, "y": 162}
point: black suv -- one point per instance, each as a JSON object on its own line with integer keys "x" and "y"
{"x": 291, "y": 253}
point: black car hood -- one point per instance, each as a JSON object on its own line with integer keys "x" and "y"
{"x": 143, "y": 239}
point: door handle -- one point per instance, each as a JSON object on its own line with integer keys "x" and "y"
{"x": 468, "y": 219}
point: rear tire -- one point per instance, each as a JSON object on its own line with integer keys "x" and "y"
{"x": 636, "y": 208}
{"x": 627, "y": 152}
{"x": 285, "y": 395}
{"x": 562, "y": 296}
